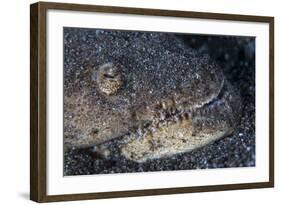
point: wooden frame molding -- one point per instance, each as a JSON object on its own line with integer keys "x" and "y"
{"x": 38, "y": 101}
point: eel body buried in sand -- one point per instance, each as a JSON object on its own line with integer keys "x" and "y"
{"x": 144, "y": 96}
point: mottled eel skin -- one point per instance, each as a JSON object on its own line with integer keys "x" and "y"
{"x": 142, "y": 95}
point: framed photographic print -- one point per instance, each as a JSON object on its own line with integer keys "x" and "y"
{"x": 134, "y": 102}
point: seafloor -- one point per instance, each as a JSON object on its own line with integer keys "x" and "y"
{"x": 236, "y": 56}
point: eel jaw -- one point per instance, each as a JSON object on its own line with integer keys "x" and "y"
{"x": 172, "y": 139}
{"x": 182, "y": 130}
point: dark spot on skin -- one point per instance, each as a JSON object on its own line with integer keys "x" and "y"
{"x": 94, "y": 132}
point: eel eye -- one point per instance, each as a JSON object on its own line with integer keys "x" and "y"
{"x": 109, "y": 78}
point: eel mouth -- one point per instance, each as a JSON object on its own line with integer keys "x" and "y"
{"x": 172, "y": 111}
{"x": 178, "y": 128}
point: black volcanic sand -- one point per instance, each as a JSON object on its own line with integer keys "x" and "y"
{"x": 237, "y": 59}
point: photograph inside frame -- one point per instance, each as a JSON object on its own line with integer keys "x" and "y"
{"x": 140, "y": 101}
